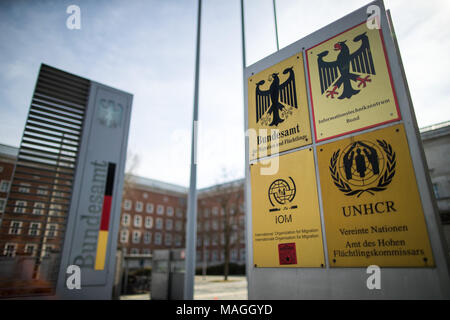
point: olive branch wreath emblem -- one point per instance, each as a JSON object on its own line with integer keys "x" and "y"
{"x": 383, "y": 182}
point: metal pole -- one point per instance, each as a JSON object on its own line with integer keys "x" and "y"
{"x": 191, "y": 226}
{"x": 276, "y": 25}
{"x": 244, "y": 64}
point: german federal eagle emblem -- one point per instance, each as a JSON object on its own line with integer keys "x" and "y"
{"x": 275, "y": 104}
{"x": 363, "y": 166}
{"x": 336, "y": 77}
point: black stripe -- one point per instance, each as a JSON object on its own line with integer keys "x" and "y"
{"x": 110, "y": 179}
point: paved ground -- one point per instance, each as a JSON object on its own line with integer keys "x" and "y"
{"x": 211, "y": 288}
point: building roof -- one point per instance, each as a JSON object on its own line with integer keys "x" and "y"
{"x": 8, "y": 151}
{"x": 435, "y": 130}
{"x": 158, "y": 185}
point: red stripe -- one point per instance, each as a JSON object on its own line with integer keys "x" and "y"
{"x": 104, "y": 224}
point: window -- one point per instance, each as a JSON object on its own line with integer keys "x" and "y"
{"x": 215, "y": 225}
{"x": 48, "y": 250}
{"x": 127, "y": 204}
{"x": 124, "y": 236}
{"x": 42, "y": 191}
{"x": 134, "y": 251}
{"x": 169, "y": 224}
{"x": 126, "y": 220}
{"x": 24, "y": 187}
{"x": 179, "y": 213}
{"x": 206, "y": 241}
{"x": 158, "y": 237}
{"x": 160, "y": 209}
{"x": 38, "y": 208}
{"x": 215, "y": 239}
{"x": 145, "y": 195}
{"x": 15, "y": 227}
{"x": 146, "y": 251}
{"x": 169, "y": 211}
{"x": 147, "y": 237}
{"x": 206, "y": 227}
{"x": 4, "y": 186}
{"x": 55, "y": 210}
{"x": 222, "y": 239}
{"x": 30, "y": 249}
{"x": 139, "y": 206}
{"x": 34, "y": 229}
{"x": 137, "y": 221}
{"x": 179, "y": 226}
{"x": 52, "y": 230}
{"x": 215, "y": 211}
{"x": 178, "y": 240}
{"x": 242, "y": 254}
{"x": 206, "y": 213}
{"x": 168, "y": 239}
{"x": 149, "y": 222}
{"x": 136, "y": 237}
{"x": 159, "y": 223}
{"x": 20, "y": 206}
{"x": 199, "y": 226}
{"x": 436, "y": 190}
{"x": 199, "y": 241}
{"x": 215, "y": 255}
{"x": 206, "y": 257}
{"x": 2, "y": 205}
{"x": 234, "y": 254}
{"x": 149, "y": 207}
{"x": 10, "y": 249}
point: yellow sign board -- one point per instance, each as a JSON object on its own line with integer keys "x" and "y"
{"x": 350, "y": 83}
{"x": 372, "y": 210}
{"x": 278, "y": 117}
{"x": 285, "y": 214}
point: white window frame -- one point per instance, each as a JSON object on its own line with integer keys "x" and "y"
{"x": 37, "y": 229}
{"x": 15, "y": 229}
{"x": 136, "y": 237}
{"x": 4, "y": 186}
{"x": 178, "y": 240}
{"x": 20, "y": 206}
{"x": 24, "y": 187}
{"x": 149, "y": 208}
{"x": 49, "y": 230}
{"x": 179, "y": 213}
{"x": 38, "y": 208}
{"x": 2, "y": 205}
{"x": 179, "y": 226}
{"x": 124, "y": 236}
{"x": 160, "y": 209}
{"x": 5, "y": 249}
{"x": 127, "y": 204}
{"x": 137, "y": 221}
{"x": 126, "y": 219}
{"x": 169, "y": 211}
{"x": 139, "y": 206}
{"x": 168, "y": 239}
{"x": 169, "y": 224}
{"x": 42, "y": 190}
{"x": 159, "y": 224}
{"x": 31, "y": 245}
{"x": 148, "y": 222}
{"x": 158, "y": 238}
{"x": 147, "y": 237}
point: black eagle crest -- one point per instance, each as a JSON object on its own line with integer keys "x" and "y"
{"x": 347, "y": 67}
{"x": 272, "y": 100}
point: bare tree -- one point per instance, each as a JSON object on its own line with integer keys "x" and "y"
{"x": 229, "y": 197}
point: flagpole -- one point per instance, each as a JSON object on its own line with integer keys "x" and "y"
{"x": 276, "y": 24}
{"x": 191, "y": 225}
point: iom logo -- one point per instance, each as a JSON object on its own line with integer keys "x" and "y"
{"x": 363, "y": 166}
{"x": 110, "y": 113}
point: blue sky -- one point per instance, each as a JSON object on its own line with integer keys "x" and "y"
{"x": 148, "y": 49}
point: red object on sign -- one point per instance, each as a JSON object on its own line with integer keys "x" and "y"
{"x": 287, "y": 253}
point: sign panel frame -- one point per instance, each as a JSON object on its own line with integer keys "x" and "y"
{"x": 350, "y": 283}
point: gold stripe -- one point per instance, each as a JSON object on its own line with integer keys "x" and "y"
{"x": 102, "y": 244}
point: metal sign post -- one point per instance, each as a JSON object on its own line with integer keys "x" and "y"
{"x": 375, "y": 203}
